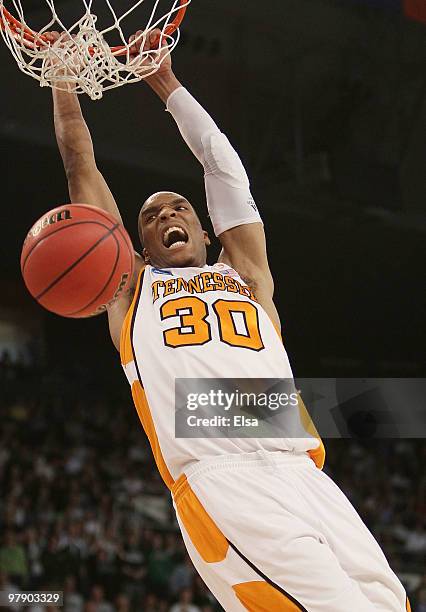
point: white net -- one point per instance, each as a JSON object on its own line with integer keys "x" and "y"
{"x": 81, "y": 60}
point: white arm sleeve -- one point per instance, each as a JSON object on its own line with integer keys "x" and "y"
{"x": 229, "y": 200}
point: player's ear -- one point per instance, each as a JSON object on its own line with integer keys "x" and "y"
{"x": 146, "y": 256}
{"x": 207, "y": 241}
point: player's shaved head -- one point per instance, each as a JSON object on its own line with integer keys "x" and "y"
{"x": 162, "y": 196}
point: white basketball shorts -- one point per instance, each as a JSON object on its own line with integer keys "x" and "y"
{"x": 269, "y": 531}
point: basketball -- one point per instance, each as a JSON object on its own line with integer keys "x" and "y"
{"x": 77, "y": 260}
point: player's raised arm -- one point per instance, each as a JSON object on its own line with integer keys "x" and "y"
{"x": 86, "y": 184}
{"x": 233, "y": 212}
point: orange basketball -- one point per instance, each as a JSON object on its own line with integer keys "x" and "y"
{"x": 76, "y": 260}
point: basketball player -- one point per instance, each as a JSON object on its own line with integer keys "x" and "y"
{"x": 264, "y": 526}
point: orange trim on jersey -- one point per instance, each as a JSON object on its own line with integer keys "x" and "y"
{"x": 317, "y": 454}
{"x": 263, "y": 597}
{"x": 408, "y": 606}
{"x": 126, "y": 351}
{"x": 145, "y": 417}
{"x": 209, "y": 541}
{"x": 138, "y": 393}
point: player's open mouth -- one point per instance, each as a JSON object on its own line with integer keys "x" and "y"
{"x": 175, "y": 237}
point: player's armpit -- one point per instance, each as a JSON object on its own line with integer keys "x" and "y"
{"x": 244, "y": 248}
{"x": 258, "y": 278}
{"x": 117, "y": 312}
{"x": 263, "y": 295}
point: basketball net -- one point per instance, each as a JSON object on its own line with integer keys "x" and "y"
{"x": 81, "y": 60}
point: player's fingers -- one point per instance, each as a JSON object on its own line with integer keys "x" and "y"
{"x": 130, "y": 41}
{"x": 132, "y": 47}
{"x": 154, "y": 38}
{"x": 135, "y": 41}
{"x": 51, "y": 37}
{"x": 146, "y": 41}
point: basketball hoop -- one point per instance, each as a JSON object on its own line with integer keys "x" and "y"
{"x": 81, "y": 60}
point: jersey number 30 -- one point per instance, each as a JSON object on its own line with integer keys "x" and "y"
{"x": 238, "y": 323}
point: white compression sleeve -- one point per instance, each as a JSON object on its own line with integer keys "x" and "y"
{"x": 229, "y": 200}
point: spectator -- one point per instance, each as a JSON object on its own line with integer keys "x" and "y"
{"x": 421, "y": 600}
{"x": 98, "y": 601}
{"x": 13, "y": 559}
{"x": 8, "y": 588}
{"x": 133, "y": 569}
{"x": 160, "y": 566}
{"x": 182, "y": 577}
{"x": 122, "y": 603}
{"x": 34, "y": 552}
{"x": 416, "y": 539}
{"x": 56, "y": 562}
{"x": 185, "y": 603}
{"x": 73, "y": 601}
{"x": 151, "y": 603}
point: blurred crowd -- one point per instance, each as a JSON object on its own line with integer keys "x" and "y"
{"x": 83, "y": 509}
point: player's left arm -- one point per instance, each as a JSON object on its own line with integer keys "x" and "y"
{"x": 244, "y": 249}
{"x": 234, "y": 215}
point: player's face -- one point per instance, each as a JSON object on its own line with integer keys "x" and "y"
{"x": 171, "y": 232}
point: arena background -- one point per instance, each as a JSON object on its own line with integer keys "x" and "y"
{"x": 326, "y": 102}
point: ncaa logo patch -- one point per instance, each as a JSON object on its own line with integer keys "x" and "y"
{"x": 158, "y": 271}
{"x": 225, "y": 269}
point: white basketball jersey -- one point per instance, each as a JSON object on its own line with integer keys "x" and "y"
{"x": 198, "y": 323}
